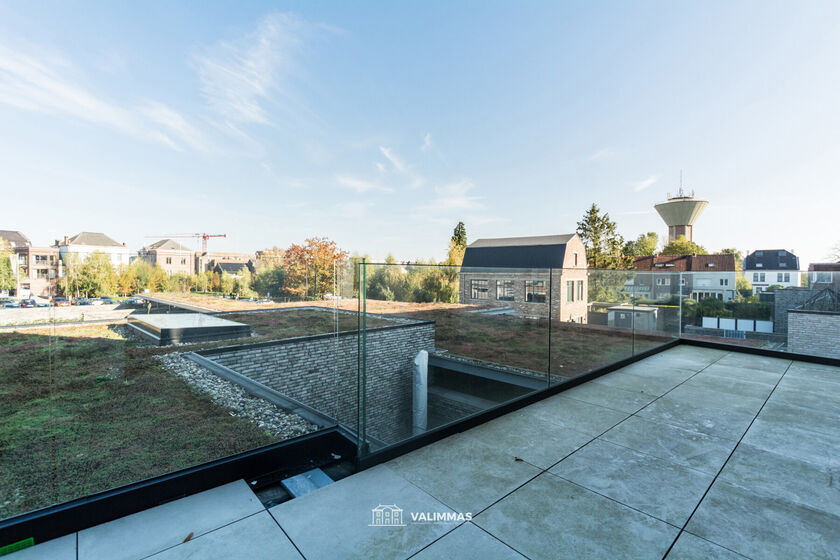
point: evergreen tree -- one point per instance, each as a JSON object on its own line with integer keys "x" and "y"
{"x": 604, "y": 245}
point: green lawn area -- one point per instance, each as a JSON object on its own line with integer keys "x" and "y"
{"x": 520, "y": 342}
{"x": 88, "y": 411}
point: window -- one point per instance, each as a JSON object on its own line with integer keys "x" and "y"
{"x": 535, "y": 291}
{"x": 663, "y": 281}
{"x": 478, "y": 289}
{"x": 504, "y": 290}
{"x": 168, "y": 260}
{"x": 823, "y": 277}
{"x": 570, "y": 291}
{"x": 682, "y": 280}
{"x": 758, "y": 277}
{"x": 783, "y": 277}
{"x": 724, "y": 281}
{"x": 580, "y": 290}
{"x": 759, "y": 265}
{"x": 576, "y": 259}
{"x": 782, "y": 265}
{"x": 183, "y": 261}
{"x": 42, "y": 273}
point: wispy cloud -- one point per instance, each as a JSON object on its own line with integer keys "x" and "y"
{"x": 360, "y": 185}
{"x": 240, "y": 77}
{"x": 455, "y": 196}
{"x": 645, "y": 183}
{"x": 39, "y": 83}
{"x": 602, "y": 154}
{"x": 427, "y": 142}
{"x": 400, "y": 167}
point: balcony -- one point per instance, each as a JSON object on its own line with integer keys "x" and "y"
{"x": 596, "y": 422}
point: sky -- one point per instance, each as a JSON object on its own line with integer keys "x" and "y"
{"x": 382, "y": 124}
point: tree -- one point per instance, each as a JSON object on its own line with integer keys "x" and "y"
{"x": 457, "y": 245}
{"x": 604, "y": 245}
{"x": 311, "y": 269}
{"x": 835, "y": 253}
{"x": 682, "y": 246}
{"x": 7, "y": 275}
{"x": 739, "y": 257}
{"x": 743, "y": 285}
{"x": 96, "y": 275}
{"x": 69, "y": 283}
{"x": 227, "y": 283}
{"x": 270, "y": 280}
{"x": 126, "y": 279}
{"x": 643, "y": 246}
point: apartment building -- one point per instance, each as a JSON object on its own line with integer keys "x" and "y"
{"x": 170, "y": 255}
{"x": 85, "y": 243}
{"x": 36, "y": 269}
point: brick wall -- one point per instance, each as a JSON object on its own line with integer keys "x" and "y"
{"x": 816, "y": 333}
{"x": 785, "y": 300}
{"x": 321, "y": 372}
{"x": 561, "y": 308}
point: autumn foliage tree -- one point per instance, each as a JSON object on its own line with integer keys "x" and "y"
{"x": 311, "y": 268}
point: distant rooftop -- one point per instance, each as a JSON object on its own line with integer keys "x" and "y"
{"x": 167, "y": 245}
{"x": 543, "y": 251}
{"x": 771, "y": 259}
{"x": 686, "y": 263}
{"x": 15, "y": 238}
{"x": 93, "y": 239}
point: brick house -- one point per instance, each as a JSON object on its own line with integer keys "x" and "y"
{"x": 824, "y": 275}
{"x": 37, "y": 269}
{"x": 528, "y": 274}
{"x": 170, "y": 255}
{"x": 712, "y": 276}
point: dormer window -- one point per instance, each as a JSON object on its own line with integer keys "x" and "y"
{"x": 759, "y": 265}
{"x": 710, "y": 265}
{"x": 782, "y": 265}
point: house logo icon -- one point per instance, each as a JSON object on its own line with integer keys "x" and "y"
{"x": 387, "y": 516}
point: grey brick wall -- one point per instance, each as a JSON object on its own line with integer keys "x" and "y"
{"x": 322, "y": 372}
{"x": 783, "y": 301}
{"x": 816, "y": 333}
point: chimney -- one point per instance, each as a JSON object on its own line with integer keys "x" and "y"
{"x": 66, "y": 241}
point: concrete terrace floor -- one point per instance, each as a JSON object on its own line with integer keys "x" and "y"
{"x": 693, "y": 453}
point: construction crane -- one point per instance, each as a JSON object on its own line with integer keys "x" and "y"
{"x": 204, "y": 237}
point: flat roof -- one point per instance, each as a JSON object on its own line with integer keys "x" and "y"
{"x": 184, "y": 320}
{"x": 690, "y": 453}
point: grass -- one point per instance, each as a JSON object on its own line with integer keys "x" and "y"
{"x": 87, "y": 411}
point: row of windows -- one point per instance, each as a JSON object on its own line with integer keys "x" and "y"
{"x": 780, "y": 277}
{"x": 535, "y": 290}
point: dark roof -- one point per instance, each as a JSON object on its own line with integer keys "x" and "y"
{"x": 93, "y": 238}
{"x": 15, "y": 238}
{"x": 686, "y": 263}
{"x": 168, "y": 245}
{"x": 824, "y": 267}
{"x": 771, "y": 259}
{"x": 545, "y": 251}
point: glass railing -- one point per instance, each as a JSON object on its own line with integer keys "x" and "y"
{"x": 100, "y": 395}
{"x": 96, "y": 395}
{"x": 475, "y": 338}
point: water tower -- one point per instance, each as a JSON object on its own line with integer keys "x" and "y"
{"x": 680, "y": 212}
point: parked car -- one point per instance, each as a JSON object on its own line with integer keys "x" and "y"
{"x": 28, "y": 303}
{"x": 134, "y": 301}
{"x": 61, "y": 302}
{"x": 108, "y": 300}
{"x": 5, "y": 300}
{"x": 96, "y": 301}
{"x": 82, "y": 301}
{"x": 13, "y": 305}
{"x": 40, "y": 304}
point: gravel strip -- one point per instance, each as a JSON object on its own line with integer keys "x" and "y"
{"x": 280, "y": 423}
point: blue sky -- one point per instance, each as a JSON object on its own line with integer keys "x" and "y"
{"x": 381, "y": 125}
